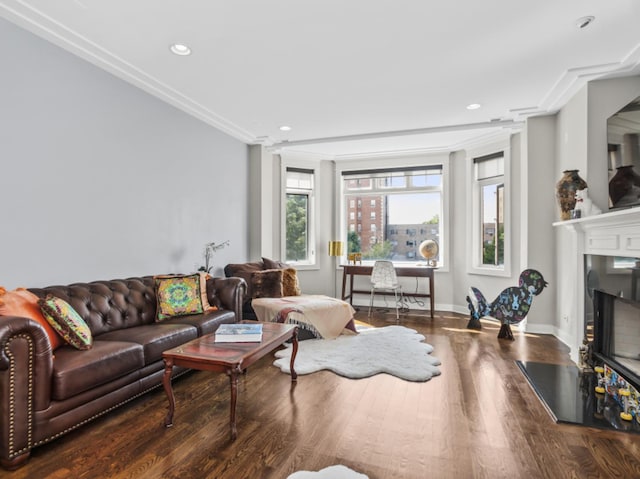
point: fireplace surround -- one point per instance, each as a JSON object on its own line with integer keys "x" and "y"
{"x": 606, "y": 249}
{"x": 611, "y": 295}
{"x": 603, "y": 304}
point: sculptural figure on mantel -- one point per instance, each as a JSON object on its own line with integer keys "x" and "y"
{"x": 584, "y": 205}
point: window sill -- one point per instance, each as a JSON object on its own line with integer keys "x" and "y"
{"x": 488, "y": 271}
{"x": 304, "y": 266}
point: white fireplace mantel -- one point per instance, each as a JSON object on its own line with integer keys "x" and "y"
{"x": 616, "y": 233}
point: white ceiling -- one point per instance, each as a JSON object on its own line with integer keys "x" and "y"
{"x": 390, "y": 75}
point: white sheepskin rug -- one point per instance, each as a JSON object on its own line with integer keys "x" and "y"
{"x": 394, "y": 350}
{"x": 331, "y": 472}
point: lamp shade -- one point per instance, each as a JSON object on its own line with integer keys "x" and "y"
{"x": 335, "y": 248}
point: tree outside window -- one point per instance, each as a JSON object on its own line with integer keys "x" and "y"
{"x": 297, "y": 226}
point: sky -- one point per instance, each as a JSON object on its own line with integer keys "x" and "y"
{"x": 412, "y": 208}
{"x": 489, "y": 203}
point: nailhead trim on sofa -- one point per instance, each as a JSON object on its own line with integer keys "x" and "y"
{"x": 12, "y": 395}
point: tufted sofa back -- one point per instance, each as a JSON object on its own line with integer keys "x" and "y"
{"x": 109, "y": 305}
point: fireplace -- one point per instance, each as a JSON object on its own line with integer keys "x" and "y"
{"x": 612, "y": 313}
{"x": 599, "y": 285}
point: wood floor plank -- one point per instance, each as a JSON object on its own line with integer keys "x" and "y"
{"x": 479, "y": 419}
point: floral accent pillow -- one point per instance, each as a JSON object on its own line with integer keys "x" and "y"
{"x": 67, "y": 322}
{"x": 178, "y": 295}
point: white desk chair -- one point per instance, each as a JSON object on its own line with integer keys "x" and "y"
{"x": 384, "y": 278}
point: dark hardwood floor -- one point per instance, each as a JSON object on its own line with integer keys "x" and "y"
{"x": 479, "y": 418}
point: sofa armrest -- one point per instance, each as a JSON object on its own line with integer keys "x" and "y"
{"x": 26, "y": 363}
{"x": 229, "y": 292}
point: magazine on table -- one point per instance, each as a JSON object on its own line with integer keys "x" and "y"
{"x": 239, "y": 333}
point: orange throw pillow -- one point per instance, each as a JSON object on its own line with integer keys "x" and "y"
{"x": 203, "y": 292}
{"x": 24, "y": 304}
{"x": 290, "y": 285}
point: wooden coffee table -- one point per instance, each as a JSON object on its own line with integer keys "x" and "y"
{"x": 231, "y": 358}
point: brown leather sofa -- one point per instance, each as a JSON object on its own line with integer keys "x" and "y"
{"x": 45, "y": 394}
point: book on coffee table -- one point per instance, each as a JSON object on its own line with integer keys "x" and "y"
{"x": 239, "y": 333}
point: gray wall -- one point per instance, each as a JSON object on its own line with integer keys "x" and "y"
{"x": 100, "y": 180}
{"x": 538, "y": 212}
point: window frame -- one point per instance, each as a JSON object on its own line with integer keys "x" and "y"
{"x": 399, "y": 163}
{"x": 497, "y": 181}
{"x": 474, "y": 201}
{"x": 312, "y": 203}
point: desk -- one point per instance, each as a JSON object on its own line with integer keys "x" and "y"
{"x": 411, "y": 271}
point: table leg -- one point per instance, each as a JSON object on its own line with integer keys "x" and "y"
{"x": 344, "y": 282}
{"x": 233, "y": 378}
{"x": 166, "y": 383}
{"x": 294, "y": 352}
{"x": 432, "y": 293}
{"x": 351, "y": 289}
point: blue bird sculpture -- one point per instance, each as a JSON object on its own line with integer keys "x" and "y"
{"x": 510, "y": 307}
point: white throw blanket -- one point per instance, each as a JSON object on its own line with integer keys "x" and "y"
{"x": 324, "y": 316}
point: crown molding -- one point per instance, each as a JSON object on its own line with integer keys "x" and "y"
{"x": 572, "y": 80}
{"x": 409, "y": 152}
{"x": 487, "y": 143}
{"x": 490, "y": 139}
{"x": 45, "y": 27}
{"x": 395, "y": 133}
{"x": 301, "y": 155}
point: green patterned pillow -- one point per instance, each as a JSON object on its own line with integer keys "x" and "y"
{"x": 178, "y": 296}
{"x": 66, "y": 321}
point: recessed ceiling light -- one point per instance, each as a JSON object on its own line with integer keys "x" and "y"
{"x": 585, "y": 21}
{"x": 473, "y": 106}
{"x": 180, "y": 49}
{"x": 285, "y": 128}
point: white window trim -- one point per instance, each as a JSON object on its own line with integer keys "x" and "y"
{"x": 314, "y": 201}
{"x": 474, "y": 256}
{"x": 442, "y": 159}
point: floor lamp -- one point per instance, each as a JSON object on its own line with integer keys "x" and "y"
{"x": 335, "y": 250}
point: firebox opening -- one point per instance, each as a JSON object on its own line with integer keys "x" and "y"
{"x": 612, "y": 312}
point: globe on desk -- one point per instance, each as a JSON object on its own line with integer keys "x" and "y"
{"x": 429, "y": 250}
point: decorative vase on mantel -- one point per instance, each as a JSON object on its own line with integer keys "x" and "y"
{"x": 566, "y": 192}
{"x": 624, "y": 187}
